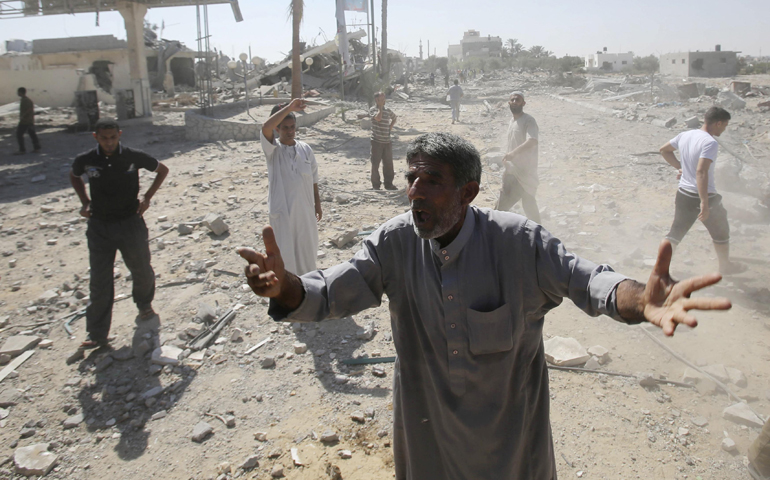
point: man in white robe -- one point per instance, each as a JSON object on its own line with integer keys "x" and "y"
{"x": 293, "y": 202}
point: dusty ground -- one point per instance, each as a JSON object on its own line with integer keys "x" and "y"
{"x": 604, "y": 202}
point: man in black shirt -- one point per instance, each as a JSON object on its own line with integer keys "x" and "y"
{"x": 115, "y": 222}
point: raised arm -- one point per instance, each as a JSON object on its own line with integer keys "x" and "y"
{"x": 296, "y": 105}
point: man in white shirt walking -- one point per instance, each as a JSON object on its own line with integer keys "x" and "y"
{"x": 697, "y": 197}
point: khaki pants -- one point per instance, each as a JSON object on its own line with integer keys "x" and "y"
{"x": 382, "y": 152}
{"x": 759, "y": 451}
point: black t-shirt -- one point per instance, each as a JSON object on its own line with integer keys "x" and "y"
{"x": 114, "y": 180}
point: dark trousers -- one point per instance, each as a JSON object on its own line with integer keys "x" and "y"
{"x": 30, "y": 129}
{"x": 511, "y": 193}
{"x": 382, "y": 152}
{"x": 687, "y": 209}
{"x": 104, "y": 239}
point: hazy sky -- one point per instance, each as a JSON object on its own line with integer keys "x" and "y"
{"x": 562, "y": 26}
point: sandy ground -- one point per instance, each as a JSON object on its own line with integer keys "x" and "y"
{"x": 605, "y": 203}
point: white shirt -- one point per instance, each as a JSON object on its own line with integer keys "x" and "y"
{"x": 694, "y": 145}
{"x": 291, "y": 172}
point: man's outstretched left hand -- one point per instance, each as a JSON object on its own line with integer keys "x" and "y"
{"x": 667, "y": 303}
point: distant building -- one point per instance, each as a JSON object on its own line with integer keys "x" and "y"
{"x": 611, "y": 62}
{"x": 474, "y": 45}
{"x": 455, "y": 52}
{"x": 700, "y": 64}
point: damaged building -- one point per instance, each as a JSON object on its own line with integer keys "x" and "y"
{"x": 717, "y": 63}
{"x": 58, "y": 67}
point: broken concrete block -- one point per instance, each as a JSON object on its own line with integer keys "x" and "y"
{"x": 166, "y": 355}
{"x": 215, "y": 223}
{"x": 347, "y": 237}
{"x": 201, "y": 431}
{"x": 741, "y": 414}
{"x": 47, "y": 297}
{"x": 329, "y": 436}
{"x": 34, "y": 460}
{"x": 670, "y": 122}
{"x": 728, "y": 445}
{"x": 300, "y": 348}
{"x": 717, "y": 371}
{"x": 268, "y": 362}
{"x": 251, "y": 462}
{"x": 592, "y": 363}
{"x": 184, "y": 229}
{"x": 693, "y": 122}
{"x": 731, "y": 101}
{"x": 18, "y": 344}
{"x": 692, "y": 376}
{"x": 565, "y": 352}
{"x": 9, "y": 397}
{"x": 602, "y": 354}
{"x": 737, "y": 377}
{"x": 699, "y": 421}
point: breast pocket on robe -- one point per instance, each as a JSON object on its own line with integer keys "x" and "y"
{"x": 490, "y": 332}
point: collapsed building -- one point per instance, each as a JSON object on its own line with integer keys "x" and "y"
{"x": 56, "y": 68}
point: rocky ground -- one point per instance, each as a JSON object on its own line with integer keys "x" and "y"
{"x": 277, "y": 398}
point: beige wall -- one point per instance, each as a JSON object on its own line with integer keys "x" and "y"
{"x": 47, "y": 88}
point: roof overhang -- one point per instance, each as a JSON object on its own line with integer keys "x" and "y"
{"x": 33, "y": 8}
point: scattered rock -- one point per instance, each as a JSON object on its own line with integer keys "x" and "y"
{"x": 201, "y": 431}
{"x": 729, "y": 446}
{"x": 236, "y": 336}
{"x": 592, "y": 364}
{"x": 602, "y": 354}
{"x": 34, "y": 460}
{"x": 215, "y": 223}
{"x": 717, "y": 371}
{"x": 741, "y": 414}
{"x": 345, "y": 454}
{"x": 18, "y": 344}
{"x": 692, "y": 122}
{"x": 184, "y": 229}
{"x": 123, "y": 353}
{"x": 73, "y": 421}
{"x": 378, "y": 372}
{"x": 341, "y": 240}
{"x": 9, "y": 398}
{"x": 102, "y": 364}
{"x": 277, "y": 471}
{"x": 300, "y": 348}
{"x": 565, "y": 352}
{"x": 166, "y": 355}
{"x": 737, "y": 377}
{"x": 141, "y": 348}
{"x": 358, "y": 416}
{"x": 330, "y": 436}
{"x": 261, "y": 437}
{"x": 699, "y": 421}
{"x": 268, "y": 362}
{"x": 251, "y": 462}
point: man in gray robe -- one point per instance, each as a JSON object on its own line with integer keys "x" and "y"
{"x": 468, "y": 290}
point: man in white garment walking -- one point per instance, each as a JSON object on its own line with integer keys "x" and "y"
{"x": 520, "y": 179}
{"x": 293, "y": 200}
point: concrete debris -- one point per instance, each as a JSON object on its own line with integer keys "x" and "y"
{"x": 300, "y": 348}
{"x": 166, "y": 355}
{"x": 699, "y": 421}
{"x": 260, "y": 436}
{"x": 34, "y": 460}
{"x": 602, "y": 354}
{"x": 215, "y": 223}
{"x": 729, "y": 446}
{"x": 736, "y": 377}
{"x": 592, "y": 364}
{"x": 184, "y": 229}
{"x": 341, "y": 240}
{"x": 345, "y": 454}
{"x": 565, "y": 352}
{"x": 201, "y": 431}
{"x": 741, "y": 414}
{"x": 718, "y": 372}
{"x": 206, "y": 313}
{"x": 73, "y": 421}
{"x": 329, "y": 436}
{"x": 18, "y": 344}
{"x": 731, "y": 101}
{"x": 9, "y": 398}
{"x": 277, "y": 471}
{"x": 249, "y": 463}
{"x": 692, "y": 122}
{"x": 268, "y": 362}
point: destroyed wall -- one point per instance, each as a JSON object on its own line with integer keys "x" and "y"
{"x": 700, "y": 64}
{"x": 52, "y": 78}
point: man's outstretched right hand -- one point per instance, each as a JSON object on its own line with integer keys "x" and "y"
{"x": 265, "y": 272}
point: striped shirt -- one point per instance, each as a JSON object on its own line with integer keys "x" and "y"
{"x": 381, "y": 129}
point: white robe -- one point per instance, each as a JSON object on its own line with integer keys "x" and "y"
{"x": 291, "y": 173}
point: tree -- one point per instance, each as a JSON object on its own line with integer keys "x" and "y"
{"x": 384, "y": 64}
{"x": 538, "y": 51}
{"x": 648, "y": 64}
{"x": 514, "y": 47}
{"x": 296, "y": 8}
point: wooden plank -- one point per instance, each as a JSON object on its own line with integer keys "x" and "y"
{"x": 15, "y": 364}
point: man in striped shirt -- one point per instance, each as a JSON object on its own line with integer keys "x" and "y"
{"x": 383, "y": 120}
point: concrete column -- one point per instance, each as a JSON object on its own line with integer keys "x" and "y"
{"x": 133, "y": 16}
